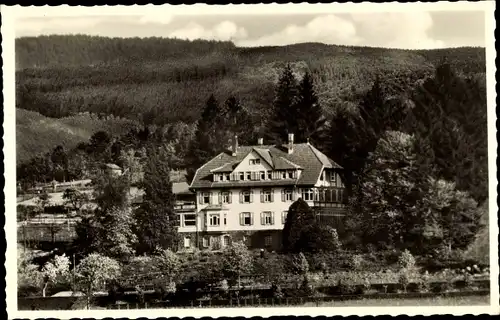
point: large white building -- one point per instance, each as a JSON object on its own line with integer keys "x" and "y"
{"x": 244, "y": 193}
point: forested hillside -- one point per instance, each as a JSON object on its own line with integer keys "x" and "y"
{"x": 159, "y": 81}
{"x": 36, "y": 134}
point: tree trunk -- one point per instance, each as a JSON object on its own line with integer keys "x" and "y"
{"x": 44, "y": 288}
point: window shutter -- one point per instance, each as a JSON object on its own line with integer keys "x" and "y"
{"x": 241, "y": 196}
{"x": 262, "y": 218}
{"x": 200, "y": 198}
{"x": 272, "y": 195}
{"x": 220, "y": 197}
{"x": 251, "y": 218}
{"x": 251, "y": 196}
{"x": 241, "y": 218}
{"x": 230, "y": 197}
{"x": 272, "y": 218}
{"x": 262, "y": 196}
{"x": 210, "y": 198}
{"x": 283, "y": 197}
{"x": 293, "y": 195}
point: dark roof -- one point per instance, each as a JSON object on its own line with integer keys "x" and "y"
{"x": 304, "y": 156}
{"x": 181, "y": 188}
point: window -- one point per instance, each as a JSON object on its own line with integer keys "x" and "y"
{"x": 225, "y": 197}
{"x": 246, "y": 196}
{"x": 287, "y": 195}
{"x": 249, "y": 176}
{"x": 189, "y": 220}
{"x": 205, "y": 198}
{"x": 214, "y": 219}
{"x": 225, "y": 218}
{"x": 266, "y": 218}
{"x": 284, "y": 214}
{"x": 269, "y": 175}
{"x": 268, "y": 241}
{"x": 254, "y": 161}
{"x": 206, "y": 242}
{"x": 333, "y": 177}
{"x": 307, "y": 194}
{"x": 290, "y": 174}
{"x": 226, "y": 241}
{"x": 283, "y": 175}
{"x": 227, "y": 176}
{"x": 266, "y": 195}
{"x": 187, "y": 242}
{"x": 246, "y": 219}
{"x": 262, "y": 175}
{"x": 242, "y": 176}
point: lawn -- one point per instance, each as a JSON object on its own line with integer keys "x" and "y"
{"x": 437, "y": 301}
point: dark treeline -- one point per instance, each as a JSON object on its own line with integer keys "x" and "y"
{"x": 58, "y": 50}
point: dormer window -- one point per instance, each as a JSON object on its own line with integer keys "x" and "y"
{"x": 333, "y": 177}
{"x": 254, "y": 161}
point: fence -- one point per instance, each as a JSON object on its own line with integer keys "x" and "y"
{"x": 290, "y": 302}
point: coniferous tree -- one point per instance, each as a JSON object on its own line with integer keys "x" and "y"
{"x": 299, "y": 222}
{"x": 156, "y": 221}
{"x": 209, "y": 139}
{"x": 311, "y": 122}
{"x": 283, "y": 120}
{"x": 450, "y": 114}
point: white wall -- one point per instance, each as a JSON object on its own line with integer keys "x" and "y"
{"x": 233, "y": 210}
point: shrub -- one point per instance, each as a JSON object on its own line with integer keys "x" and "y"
{"x": 404, "y": 280}
{"x": 306, "y": 287}
{"x": 355, "y": 262}
{"x": 299, "y": 266}
{"x": 406, "y": 260}
{"x": 423, "y": 282}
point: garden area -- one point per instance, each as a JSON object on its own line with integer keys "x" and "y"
{"x": 238, "y": 277}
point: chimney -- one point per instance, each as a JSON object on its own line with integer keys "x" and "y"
{"x": 235, "y": 145}
{"x": 260, "y": 141}
{"x": 290, "y": 143}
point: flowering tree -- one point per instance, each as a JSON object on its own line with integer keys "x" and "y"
{"x": 56, "y": 271}
{"x": 93, "y": 271}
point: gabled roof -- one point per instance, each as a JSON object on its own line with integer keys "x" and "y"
{"x": 304, "y": 156}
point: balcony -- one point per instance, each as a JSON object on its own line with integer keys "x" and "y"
{"x": 185, "y": 207}
{"x": 330, "y": 197}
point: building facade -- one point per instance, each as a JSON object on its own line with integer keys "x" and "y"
{"x": 243, "y": 194}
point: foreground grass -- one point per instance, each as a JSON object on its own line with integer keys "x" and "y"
{"x": 437, "y": 301}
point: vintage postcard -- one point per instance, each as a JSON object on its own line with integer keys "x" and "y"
{"x": 250, "y": 160}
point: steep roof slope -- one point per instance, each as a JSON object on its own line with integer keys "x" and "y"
{"x": 304, "y": 156}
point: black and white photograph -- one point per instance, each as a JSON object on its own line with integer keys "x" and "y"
{"x": 250, "y": 159}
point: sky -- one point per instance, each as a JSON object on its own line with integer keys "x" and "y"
{"x": 407, "y": 30}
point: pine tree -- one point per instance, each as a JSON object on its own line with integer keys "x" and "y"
{"x": 209, "y": 139}
{"x": 283, "y": 120}
{"x": 309, "y": 114}
{"x": 156, "y": 221}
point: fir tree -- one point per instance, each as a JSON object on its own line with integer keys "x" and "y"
{"x": 299, "y": 222}
{"x": 209, "y": 139}
{"x": 309, "y": 114}
{"x": 283, "y": 120}
{"x": 156, "y": 221}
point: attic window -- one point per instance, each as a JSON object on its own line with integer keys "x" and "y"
{"x": 227, "y": 176}
{"x": 254, "y": 161}
{"x": 242, "y": 176}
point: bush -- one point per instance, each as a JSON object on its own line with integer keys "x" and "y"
{"x": 355, "y": 261}
{"x": 423, "y": 282}
{"x": 404, "y": 280}
{"x": 406, "y": 260}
